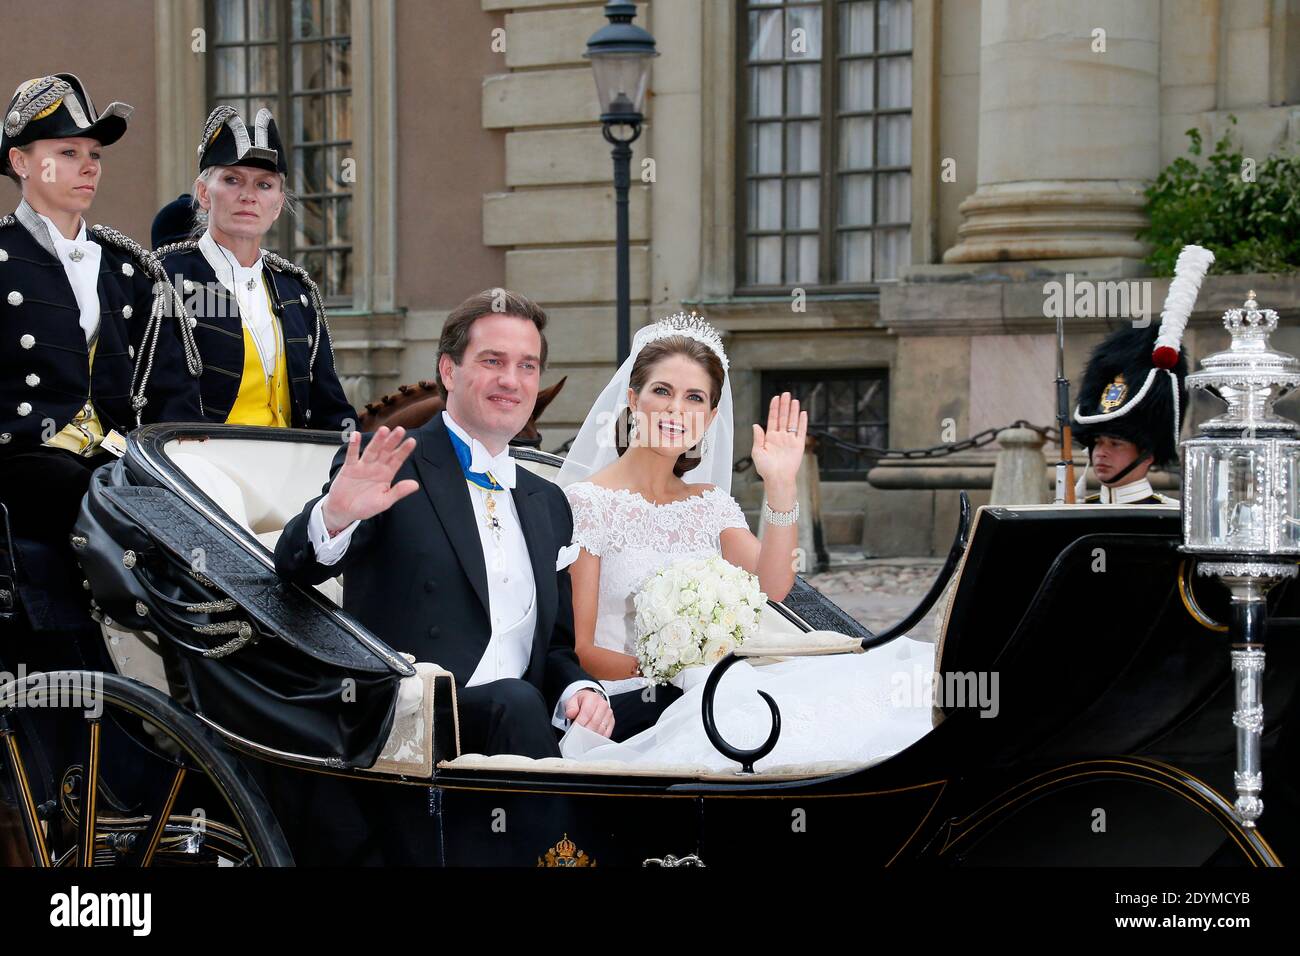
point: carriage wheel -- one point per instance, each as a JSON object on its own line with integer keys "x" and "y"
{"x": 100, "y": 770}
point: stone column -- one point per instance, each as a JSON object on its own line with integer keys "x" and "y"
{"x": 1068, "y": 135}
{"x": 1018, "y": 474}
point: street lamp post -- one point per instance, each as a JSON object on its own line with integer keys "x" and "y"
{"x": 620, "y": 56}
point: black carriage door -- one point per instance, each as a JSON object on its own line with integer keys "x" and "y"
{"x": 830, "y": 821}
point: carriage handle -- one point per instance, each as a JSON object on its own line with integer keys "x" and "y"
{"x": 747, "y": 758}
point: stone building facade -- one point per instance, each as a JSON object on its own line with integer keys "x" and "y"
{"x": 872, "y": 208}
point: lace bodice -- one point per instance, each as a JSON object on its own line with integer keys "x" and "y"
{"x": 634, "y": 538}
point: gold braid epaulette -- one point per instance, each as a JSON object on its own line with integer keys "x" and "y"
{"x": 152, "y": 267}
{"x": 166, "y": 301}
{"x": 8, "y": 220}
{"x": 282, "y": 264}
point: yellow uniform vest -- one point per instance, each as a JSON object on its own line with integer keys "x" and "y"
{"x": 261, "y": 401}
{"x": 82, "y": 435}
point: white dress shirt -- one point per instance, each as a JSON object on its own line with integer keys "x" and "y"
{"x": 254, "y": 303}
{"x": 512, "y": 591}
{"x": 80, "y": 260}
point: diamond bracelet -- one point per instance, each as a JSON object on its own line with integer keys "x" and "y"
{"x": 780, "y": 519}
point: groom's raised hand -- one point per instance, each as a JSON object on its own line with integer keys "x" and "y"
{"x": 590, "y": 709}
{"x": 364, "y": 485}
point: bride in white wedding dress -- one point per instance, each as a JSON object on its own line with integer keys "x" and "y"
{"x": 649, "y": 479}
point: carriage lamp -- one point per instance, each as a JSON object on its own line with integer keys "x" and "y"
{"x": 1241, "y": 510}
{"x": 620, "y": 54}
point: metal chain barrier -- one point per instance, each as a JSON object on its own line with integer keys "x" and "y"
{"x": 978, "y": 440}
{"x": 986, "y": 437}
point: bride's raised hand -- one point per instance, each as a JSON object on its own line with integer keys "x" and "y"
{"x": 778, "y": 451}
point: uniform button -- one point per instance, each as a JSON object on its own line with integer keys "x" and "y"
{"x": 4, "y": 256}
{"x": 128, "y": 269}
{"x": 27, "y": 341}
{"x": 130, "y": 350}
{"x": 24, "y": 409}
{"x": 193, "y": 322}
{"x": 33, "y": 380}
{"x": 127, "y": 311}
{"x": 6, "y": 438}
{"x": 15, "y": 298}
{"x": 188, "y": 286}
{"x": 309, "y": 341}
{"x": 303, "y": 298}
{"x": 307, "y": 414}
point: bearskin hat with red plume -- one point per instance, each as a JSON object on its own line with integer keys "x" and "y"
{"x": 1133, "y": 385}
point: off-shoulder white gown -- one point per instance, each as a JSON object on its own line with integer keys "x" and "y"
{"x": 856, "y": 707}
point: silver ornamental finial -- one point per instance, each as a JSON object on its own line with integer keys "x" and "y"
{"x": 1250, "y": 376}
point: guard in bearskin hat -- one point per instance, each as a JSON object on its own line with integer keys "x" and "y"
{"x": 1132, "y": 397}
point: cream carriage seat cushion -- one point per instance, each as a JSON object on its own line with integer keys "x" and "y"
{"x": 215, "y": 483}
{"x": 275, "y": 478}
{"x": 260, "y": 484}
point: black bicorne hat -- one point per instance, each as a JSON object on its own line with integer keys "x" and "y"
{"x": 227, "y": 141}
{"x": 1120, "y": 369}
{"x": 58, "y": 107}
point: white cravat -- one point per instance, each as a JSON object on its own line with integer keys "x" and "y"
{"x": 512, "y": 591}
{"x": 245, "y": 284}
{"x": 80, "y": 260}
{"x": 481, "y": 460}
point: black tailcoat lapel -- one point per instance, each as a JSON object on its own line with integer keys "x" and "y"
{"x": 448, "y": 492}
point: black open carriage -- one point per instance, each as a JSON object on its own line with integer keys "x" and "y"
{"x": 242, "y": 720}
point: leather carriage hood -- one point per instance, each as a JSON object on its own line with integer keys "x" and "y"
{"x": 252, "y": 653}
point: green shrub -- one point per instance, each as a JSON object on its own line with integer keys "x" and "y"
{"x": 1249, "y": 226}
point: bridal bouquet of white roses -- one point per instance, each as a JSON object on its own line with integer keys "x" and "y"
{"x": 694, "y": 611}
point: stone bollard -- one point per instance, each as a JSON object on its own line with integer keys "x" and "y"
{"x": 812, "y": 549}
{"x": 1018, "y": 474}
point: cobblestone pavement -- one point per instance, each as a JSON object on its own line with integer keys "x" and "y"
{"x": 879, "y": 592}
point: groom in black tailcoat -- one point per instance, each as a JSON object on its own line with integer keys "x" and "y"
{"x": 453, "y": 554}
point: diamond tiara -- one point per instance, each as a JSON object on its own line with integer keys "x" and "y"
{"x": 692, "y": 326}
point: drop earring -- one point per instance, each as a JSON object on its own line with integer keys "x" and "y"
{"x": 632, "y": 429}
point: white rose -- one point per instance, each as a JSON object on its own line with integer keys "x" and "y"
{"x": 676, "y": 633}
{"x": 728, "y": 592}
{"x": 728, "y": 620}
{"x": 716, "y": 650}
{"x": 708, "y": 590}
{"x": 662, "y": 589}
{"x": 690, "y": 654}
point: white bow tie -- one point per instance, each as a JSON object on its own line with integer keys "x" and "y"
{"x": 501, "y": 466}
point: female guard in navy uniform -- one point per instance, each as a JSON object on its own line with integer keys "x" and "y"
{"x": 90, "y": 338}
{"x": 258, "y": 318}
